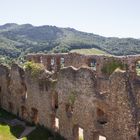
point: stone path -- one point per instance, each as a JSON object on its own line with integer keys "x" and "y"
{"x": 27, "y": 131}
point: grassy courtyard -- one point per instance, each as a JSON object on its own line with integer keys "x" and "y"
{"x": 13, "y": 132}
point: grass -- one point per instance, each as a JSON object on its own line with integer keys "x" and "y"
{"x": 13, "y": 132}
{"x": 90, "y": 51}
{"x": 10, "y": 133}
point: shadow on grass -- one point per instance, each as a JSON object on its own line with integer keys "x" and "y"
{"x": 40, "y": 133}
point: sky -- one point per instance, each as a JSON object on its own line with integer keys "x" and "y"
{"x": 110, "y": 18}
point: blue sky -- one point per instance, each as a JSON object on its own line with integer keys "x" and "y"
{"x": 119, "y": 18}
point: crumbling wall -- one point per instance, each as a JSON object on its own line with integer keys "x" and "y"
{"x": 73, "y": 92}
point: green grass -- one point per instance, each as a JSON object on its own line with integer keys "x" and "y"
{"x": 90, "y": 51}
{"x": 12, "y": 133}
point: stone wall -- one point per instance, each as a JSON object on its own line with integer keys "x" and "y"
{"x": 73, "y": 93}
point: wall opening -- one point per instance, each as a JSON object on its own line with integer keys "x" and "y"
{"x": 102, "y": 137}
{"x": 56, "y": 124}
{"x": 81, "y": 133}
{"x": 10, "y": 106}
{"x": 52, "y": 64}
{"x": 138, "y": 68}
{"x": 23, "y": 112}
{"x": 78, "y": 133}
{"x": 41, "y": 61}
{"x": 93, "y": 64}
{"x": 34, "y": 115}
{"x": 138, "y": 130}
{"x": 62, "y": 62}
{"x": 55, "y": 101}
{"x": 0, "y": 88}
{"x": 24, "y": 93}
{"x": 101, "y": 117}
{"x": 69, "y": 110}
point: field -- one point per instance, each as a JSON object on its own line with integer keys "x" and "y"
{"x": 90, "y": 51}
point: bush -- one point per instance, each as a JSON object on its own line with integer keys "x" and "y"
{"x": 34, "y": 68}
{"x": 110, "y": 67}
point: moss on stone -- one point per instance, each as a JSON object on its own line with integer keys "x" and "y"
{"x": 34, "y": 68}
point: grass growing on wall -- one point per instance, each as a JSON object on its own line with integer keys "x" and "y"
{"x": 34, "y": 68}
{"x": 110, "y": 67}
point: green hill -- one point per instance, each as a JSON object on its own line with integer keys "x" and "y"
{"x": 18, "y": 40}
{"x": 90, "y": 51}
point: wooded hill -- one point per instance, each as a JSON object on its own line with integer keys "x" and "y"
{"x": 18, "y": 40}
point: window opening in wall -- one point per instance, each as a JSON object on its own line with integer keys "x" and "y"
{"x": 56, "y": 123}
{"x": 34, "y": 115}
{"x": 55, "y": 101}
{"x": 41, "y": 61}
{"x": 139, "y": 129}
{"x": 52, "y": 61}
{"x": 0, "y": 88}
{"x": 10, "y": 106}
{"x": 81, "y": 134}
{"x": 78, "y": 133}
{"x": 102, "y": 137}
{"x": 138, "y": 68}
{"x": 23, "y": 112}
{"x": 69, "y": 110}
{"x": 101, "y": 117}
{"x": 93, "y": 64}
{"x": 62, "y": 62}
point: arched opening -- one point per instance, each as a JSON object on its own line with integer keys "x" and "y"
{"x": 101, "y": 117}
{"x": 138, "y": 68}
{"x": 92, "y": 64}
{"x": 102, "y": 137}
{"x": 34, "y": 115}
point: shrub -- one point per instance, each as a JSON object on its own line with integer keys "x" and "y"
{"x": 110, "y": 67}
{"x": 34, "y": 68}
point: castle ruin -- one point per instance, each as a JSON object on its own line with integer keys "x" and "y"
{"x": 76, "y": 92}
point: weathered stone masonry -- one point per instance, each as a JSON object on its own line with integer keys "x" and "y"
{"x": 74, "y": 93}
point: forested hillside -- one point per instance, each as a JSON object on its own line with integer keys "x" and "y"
{"x": 18, "y": 40}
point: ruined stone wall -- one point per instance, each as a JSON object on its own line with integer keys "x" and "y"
{"x": 77, "y": 94}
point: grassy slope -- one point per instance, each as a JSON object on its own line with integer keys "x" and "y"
{"x": 90, "y": 51}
